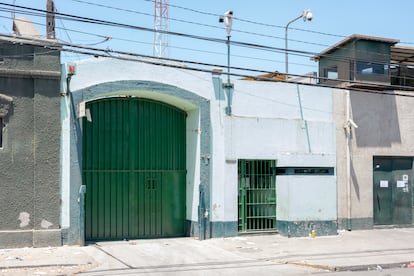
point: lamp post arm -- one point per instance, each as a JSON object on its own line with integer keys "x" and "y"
{"x": 286, "y": 43}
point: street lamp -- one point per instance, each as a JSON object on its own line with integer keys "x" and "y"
{"x": 227, "y": 19}
{"x": 307, "y": 16}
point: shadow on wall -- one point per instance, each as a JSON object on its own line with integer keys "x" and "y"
{"x": 355, "y": 181}
{"x": 377, "y": 118}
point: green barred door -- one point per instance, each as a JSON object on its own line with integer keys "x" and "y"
{"x": 134, "y": 169}
{"x": 257, "y": 195}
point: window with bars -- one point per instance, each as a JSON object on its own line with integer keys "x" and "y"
{"x": 257, "y": 195}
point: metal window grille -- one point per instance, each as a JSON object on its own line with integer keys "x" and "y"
{"x": 257, "y": 195}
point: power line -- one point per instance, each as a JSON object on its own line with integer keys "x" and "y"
{"x": 140, "y": 28}
{"x": 39, "y": 12}
{"x": 191, "y": 22}
{"x": 180, "y": 64}
{"x": 198, "y": 23}
{"x": 122, "y": 25}
{"x": 259, "y": 78}
{"x": 251, "y": 21}
{"x": 106, "y": 38}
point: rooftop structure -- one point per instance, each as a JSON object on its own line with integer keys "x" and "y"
{"x": 367, "y": 61}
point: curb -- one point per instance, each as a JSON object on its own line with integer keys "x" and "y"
{"x": 372, "y": 266}
{"x": 363, "y": 267}
{"x": 317, "y": 266}
{"x": 38, "y": 266}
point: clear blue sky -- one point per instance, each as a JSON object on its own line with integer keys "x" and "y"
{"x": 333, "y": 20}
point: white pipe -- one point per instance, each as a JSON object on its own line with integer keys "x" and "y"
{"x": 348, "y": 160}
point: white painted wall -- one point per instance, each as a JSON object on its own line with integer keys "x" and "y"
{"x": 65, "y": 163}
{"x": 306, "y": 198}
{"x": 193, "y": 164}
{"x": 266, "y": 123}
{"x": 95, "y": 71}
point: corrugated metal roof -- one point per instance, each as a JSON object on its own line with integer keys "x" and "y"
{"x": 352, "y": 38}
{"x": 402, "y": 55}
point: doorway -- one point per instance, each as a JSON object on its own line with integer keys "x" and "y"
{"x": 393, "y": 195}
{"x": 134, "y": 169}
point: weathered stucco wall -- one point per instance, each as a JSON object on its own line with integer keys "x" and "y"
{"x": 30, "y": 201}
{"x": 384, "y": 129}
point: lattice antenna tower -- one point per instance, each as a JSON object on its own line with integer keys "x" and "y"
{"x": 161, "y": 28}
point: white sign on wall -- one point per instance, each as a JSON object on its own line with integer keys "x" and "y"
{"x": 383, "y": 183}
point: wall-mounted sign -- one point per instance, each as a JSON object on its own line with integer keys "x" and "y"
{"x": 383, "y": 183}
{"x": 400, "y": 184}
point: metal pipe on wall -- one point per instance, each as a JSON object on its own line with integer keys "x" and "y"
{"x": 348, "y": 160}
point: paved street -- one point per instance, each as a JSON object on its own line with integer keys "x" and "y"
{"x": 368, "y": 252}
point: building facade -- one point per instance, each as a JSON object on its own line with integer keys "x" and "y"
{"x": 155, "y": 153}
{"x": 374, "y": 134}
{"x": 110, "y": 149}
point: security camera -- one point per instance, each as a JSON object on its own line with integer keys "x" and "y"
{"x": 352, "y": 123}
{"x": 228, "y": 13}
{"x": 307, "y": 15}
{"x": 227, "y": 19}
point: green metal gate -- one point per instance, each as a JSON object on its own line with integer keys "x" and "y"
{"x": 257, "y": 195}
{"x": 393, "y": 196}
{"x": 134, "y": 169}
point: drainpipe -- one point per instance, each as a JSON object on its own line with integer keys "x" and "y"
{"x": 202, "y": 211}
{"x": 347, "y": 128}
{"x": 81, "y": 201}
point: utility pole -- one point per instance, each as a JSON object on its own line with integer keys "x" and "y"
{"x": 227, "y": 19}
{"x": 161, "y": 28}
{"x": 50, "y": 20}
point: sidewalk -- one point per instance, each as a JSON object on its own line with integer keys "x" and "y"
{"x": 355, "y": 250}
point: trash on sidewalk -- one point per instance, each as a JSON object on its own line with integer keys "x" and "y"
{"x": 410, "y": 265}
{"x": 377, "y": 268}
{"x": 10, "y": 258}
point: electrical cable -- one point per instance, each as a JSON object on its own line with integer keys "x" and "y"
{"x": 261, "y": 23}
{"x": 198, "y": 23}
{"x": 114, "y": 24}
{"x": 243, "y": 44}
{"x": 262, "y": 71}
{"x": 147, "y": 43}
{"x": 217, "y": 40}
{"x": 97, "y": 52}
